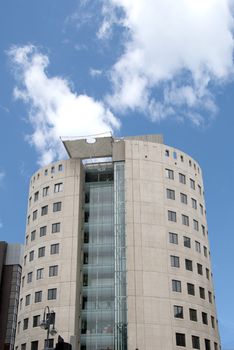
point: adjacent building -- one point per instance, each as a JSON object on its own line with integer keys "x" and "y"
{"x": 117, "y": 246}
{"x": 10, "y": 276}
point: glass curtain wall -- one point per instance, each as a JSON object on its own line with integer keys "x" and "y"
{"x": 120, "y": 259}
{"x": 103, "y": 314}
{"x": 98, "y": 271}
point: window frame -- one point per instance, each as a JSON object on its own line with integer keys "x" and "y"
{"x": 175, "y": 261}
{"x": 172, "y": 216}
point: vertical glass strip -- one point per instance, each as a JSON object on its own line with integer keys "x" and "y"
{"x": 120, "y": 259}
{"x": 103, "y": 293}
{"x": 98, "y": 268}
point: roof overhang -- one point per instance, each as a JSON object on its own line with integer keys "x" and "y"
{"x": 89, "y": 147}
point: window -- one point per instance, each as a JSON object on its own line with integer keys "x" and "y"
{"x": 46, "y": 172}
{"x": 38, "y": 297}
{"x": 23, "y": 346}
{"x": 52, "y": 170}
{"x": 48, "y": 344}
{"x": 185, "y": 220}
{"x": 58, "y": 187}
{"x": 86, "y": 236}
{"x": 183, "y": 198}
{"x": 195, "y": 225}
{"x": 26, "y": 240}
{"x": 180, "y": 339}
{"x": 207, "y": 344}
{"x": 176, "y": 286}
{"x": 171, "y": 215}
{"x": 201, "y": 209}
{"x": 207, "y": 273}
{"x": 54, "y": 248}
{"x": 57, "y": 206}
{"x": 41, "y": 252}
{"x": 197, "y": 246}
{"x": 60, "y": 167}
{"x": 22, "y": 282}
{"x": 187, "y": 242}
{"x": 194, "y": 203}
{"x": 27, "y": 300}
{"x": 191, "y": 288}
{"x": 25, "y": 259}
{"x": 169, "y": 174}
{"x": 34, "y": 345}
{"x": 175, "y": 261}
{"x": 188, "y": 264}
{"x": 21, "y": 302}
{"x": 204, "y": 318}
{"x": 199, "y": 189}
{"x": 192, "y": 184}
{"x": 193, "y": 315}
{"x": 45, "y": 191}
{"x": 53, "y": 271}
{"x": 33, "y": 235}
{"x": 56, "y": 227}
{"x": 212, "y": 321}
{"x": 18, "y": 327}
{"x": 205, "y": 251}
{"x": 36, "y": 196}
{"x": 40, "y": 274}
{"x": 43, "y": 231}
{"x": 29, "y": 277}
{"x": 34, "y": 214}
{"x": 44, "y": 210}
{"x": 170, "y": 194}
{"x": 216, "y": 346}
{"x": 30, "y": 201}
{"x": 36, "y": 321}
{"x": 28, "y": 220}
{"x": 210, "y": 297}
{"x": 31, "y": 255}
{"x": 182, "y": 178}
{"x": 25, "y": 324}
{"x": 52, "y": 293}
{"x": 195, "y": 342}
{"x": 202, "y": 292}
{"x": 167, "y": 153}
{"x": 85, "y": 280}
{"x": 178, "y": 311}
{"x": 199, "y": 269}
{"x": 203, "y": 230}
{"x": 173, "y": 238}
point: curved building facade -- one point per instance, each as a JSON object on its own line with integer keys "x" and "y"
{"x": 117, "y": 246}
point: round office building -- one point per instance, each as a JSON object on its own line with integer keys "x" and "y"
{"x": 116, "y": 251}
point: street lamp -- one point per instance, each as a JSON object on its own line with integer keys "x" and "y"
{"x": 47, "y": 322}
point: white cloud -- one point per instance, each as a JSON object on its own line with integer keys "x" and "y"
{"x": 55, "y": 110}
{"x": 174, "y": 53}
{"x": 95, "y": 72}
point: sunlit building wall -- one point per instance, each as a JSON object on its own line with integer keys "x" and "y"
{"x": 117, "y": 246}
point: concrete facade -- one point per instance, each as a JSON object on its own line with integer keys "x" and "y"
{"x": 169, "y": 290}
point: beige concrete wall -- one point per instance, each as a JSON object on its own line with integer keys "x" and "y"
{"x": 65, "y": 305}
{"x": 150, "y": 299}
{"x": 151, "y": 322}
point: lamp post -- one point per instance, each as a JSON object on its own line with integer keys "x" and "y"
{"x": 46, "y": 323}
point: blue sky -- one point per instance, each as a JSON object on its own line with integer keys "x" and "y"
{"x": 72, "y": 68}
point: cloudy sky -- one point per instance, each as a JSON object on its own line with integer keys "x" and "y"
{"x": 73, "y": 68}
